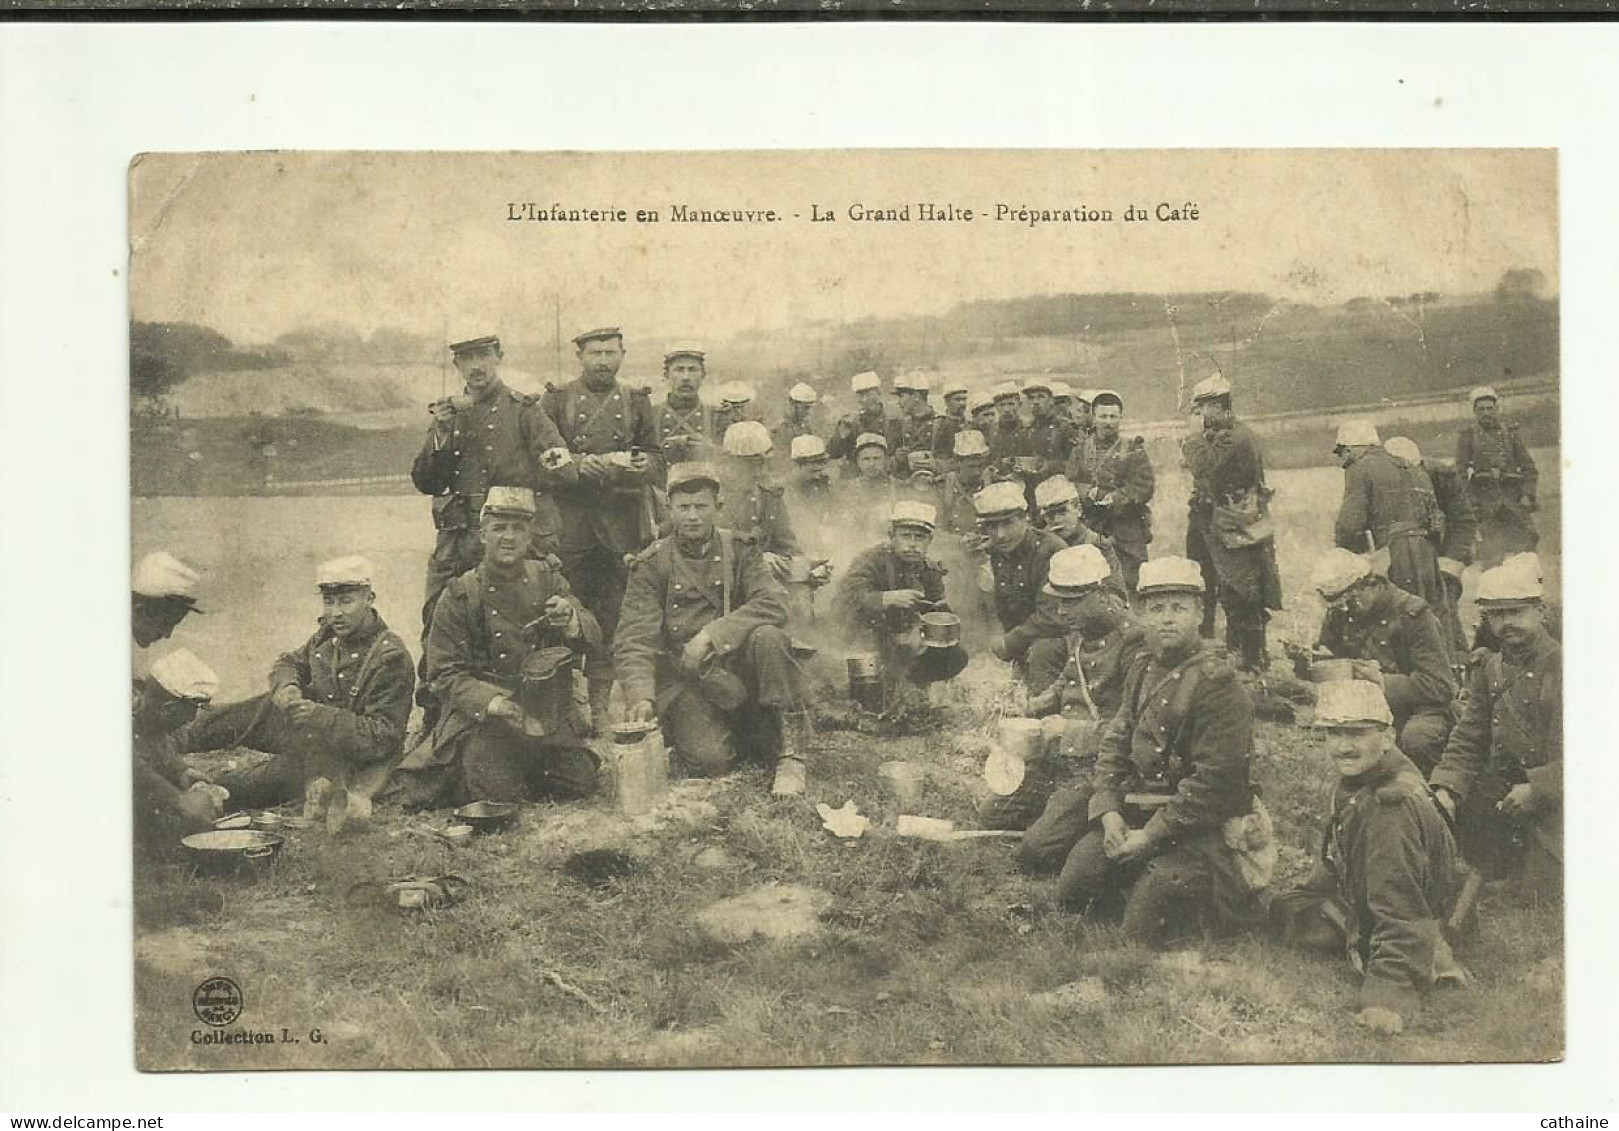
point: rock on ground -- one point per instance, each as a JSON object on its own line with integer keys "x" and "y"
{"x": 771, "y": 912}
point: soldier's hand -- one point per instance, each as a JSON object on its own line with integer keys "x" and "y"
{"x": 778, "y": 565}
{"x": 560, "y": 613}
{"x": 638, "y": 465}
{"x": 1369, "y": 670}
{"x": 1135, "y": 845}
{"x": 1383, "y": 1022}
{"x": 286, "y": 695}
{"x": 1114, "y": 831}
{"x": 698, "y": 649}
{"x": 593, "y": 468}
{"x": 1519, "y": 801}
{"x": 199, "y": 806}
{"x": 301, "y": 711}
{"x": 644, "y": 711}
{"x": 901, "y": 599}
{"x": 443, "y": 416}
{"x": 505, "y": 707}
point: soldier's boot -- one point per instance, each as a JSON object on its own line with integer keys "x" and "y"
{"x": 791, "y": 773}
{"x": 601, "y": 714}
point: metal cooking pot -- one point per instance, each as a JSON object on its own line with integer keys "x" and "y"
{"x": 230, "y": 850}
{"x": 488, "y": 816}
{"x": 941, "y": 630}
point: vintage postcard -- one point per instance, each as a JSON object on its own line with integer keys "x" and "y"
{"x": 849, "y": 607}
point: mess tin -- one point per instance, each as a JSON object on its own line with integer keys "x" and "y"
{"x": 941, "y": 630}
{"x": 232, "y": 850}
{"x": 488, "y": 816}
{"x": 1332, "y": 671}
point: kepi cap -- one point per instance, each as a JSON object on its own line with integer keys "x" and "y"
{"x": 1482, "y": 393}
{"x": 509, "y": 500}
{"x": 1062, "y": 391}
{"x": 475, "y": 345}
{"x": 161, "y": 574}
{"x": 955, "y": 388}
{"x": 747, "y": 438}
{"x": 1338, "y": 571}
{"x": 1169, "y": 575}
{"x": 1055, "y": 491}
{"x": 1037, "y": 385}
{"x": 1509, "y": 586}
{"x": 184, "y": 676}
{"x": 598, "y": 333}
{"x": 807, "y": 448}
{"x": 864, "y": 382}
{"x": 1006, "y": 391}
{"x": 979, "y": 400}
{"x": 1075, "y": 570}
{"x": 908, "y": 512}
{"x": 870, "y": 440}
{"x": 682, "y": 349}
{"x": 999, "y": 499}
{"x": 1359, "y": 433}
{"x": 1086, "y": 395}
{"x": 1209, "y": 388}
{"x": 1526, "y": 560}
{"x": 351, "y": 572}
{"x": 970, "y": 442}
{"x": 1351, "y": 703}
{"x": 691, "y": 476}
{"x": 1404, "y": 449}
{"x": 802, "y": 394}
{"x": 736, "y": 392}
{"x": 1106, "y": 396}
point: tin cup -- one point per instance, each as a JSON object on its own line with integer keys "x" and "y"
{"x": 904, "y": 781}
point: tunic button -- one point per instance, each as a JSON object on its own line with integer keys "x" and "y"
{"x": 497, "y": 635}
{"x": 491, "y": 589}
{"x": 677, "y": 585}
{"x": 503, "y": 655}
{"x": 491, "y": 427}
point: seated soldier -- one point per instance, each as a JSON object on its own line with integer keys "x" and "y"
{"x": 1389, "y": 874}
{"x": 164, "y": 592}
{"x": 1551, "y": 612}
{"x": 886, "y": 591}
{"x": 166, "y": 807}
{"x": 1103, "y": 642}
{"x": 334, "y": 715}
{"x": 506, "y": 639}
{"x": 1501, "y": 775}
{"x": 1171, "y": 796}
{"x": 1400, "y": 646}
{"x": 871, "y": 478}
{"x": 1019, "y": 555}
{"x": 964, "y": 480}
{"x": 701, "y": 646}
{"x": 1057, "y": 500}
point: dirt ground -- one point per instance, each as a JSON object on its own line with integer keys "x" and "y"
{"x": 740, "y": 932}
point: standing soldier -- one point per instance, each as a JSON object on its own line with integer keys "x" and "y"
{"x": 752, "y": 505}
{"x": 1399, "y": 640}
{"x": 810, "y": 490}
{"x": 968, "y": 464}
{"x": 1062, "y": 395}
{"x": 1019, "y": 560}
{"x": 870, "y": 417}
{"x": 736, "y": 404}
{"x": 607, "y": 512}
{"x": 953, "y": 421}
{"x": 701, "y": 646}
{"x": 1502, "y": 773}
{"x": 491, "y": 434}
{"x": 917, "y": 425}
{"x": 1006, "y": 441}
{"x": 981, "y": 413}
{"x": 1383, "y": 507}
{"x": 1389, "y": 875}
{"x": 1445, "y": 497}
{"x": 1228, "y": 525}
{"x": 800, "y": 418}
{"x": 683, "y": 432}
{"x": 1117, "y": 482}
{"x": 1084, "y": 410}
{"x": 1502, "y": 478}
{"x": 1172, "y": 794}
{"x": 334, "y": 717}
{"x": 1049, "y": 438}
{"x": 1057, "y": 501}
{"x": 506, "y": 637}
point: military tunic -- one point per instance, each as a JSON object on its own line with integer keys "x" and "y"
{"x": 483, "y": 631}
{"x": 1117, "y": 483}
{"x": 1389, "y": 861}
{"x": 498, "y": 442}
{"x": 1026, "y": 613}
{"x": 944, "y": 437}
{"x": 722, "y": 589}
{"x": 1050, "y": 441}
{"x": 850, "y": 428}
{"x": 1381, "y": 499}
{"x": 915, "y": 434}
{"x": 758, "y": 514}
{"x": 1461, "y": 522}
{"x": 683, "y": 430}
{"x": 1510, "y": 732}
{"x": 1401, "y": 633}
{"x": 858, "y": 601}
{"x": 1501, "y": 475}
{"x": 361, "y": 691}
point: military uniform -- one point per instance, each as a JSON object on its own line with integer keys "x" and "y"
{"x": 1382, "y": 499}
{"x": 604, "y": 520}
{"x": 758, "y": 514}
{"x": 498, "y": 441}
{"x": 1008, "y": 441}
{"x": 1456, "y": 504}
{"x": 1228, "y": 471}
{"x": 851, "y": 427}
{"x": 683, "y": 430}
{"x": 1510, "y": 732}
{"x": 483, "y": 632}
{"x": 1050, "y": 441}
{"x": 724, "y": 590}
{"x": 944, "y": 437}
{"x": 1117, "y": 483}
{"x": 912, "y": 434}
{"x": 1386, "y": 882}
{"x": 858, "y": 606}
{"x": 1085, "y": 536}
{"x": 1500, "y": 475}
{"x": 1401, "y": 633}
{"x": 1026, "y": 614}
{"x": 361, "y": 688}
{"x": 1184, "y": 729}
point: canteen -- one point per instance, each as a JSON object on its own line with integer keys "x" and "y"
{"x": 640, "y": 766}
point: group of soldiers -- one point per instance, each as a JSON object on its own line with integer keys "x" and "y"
{"x": 587, "y": 538}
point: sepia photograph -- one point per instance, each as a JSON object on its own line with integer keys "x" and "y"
{"x": 845, "y": 608}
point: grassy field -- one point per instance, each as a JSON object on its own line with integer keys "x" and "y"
{"x": 916, "y": 952}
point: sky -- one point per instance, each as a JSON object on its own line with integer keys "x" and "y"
{"x": 256, "y": 244}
